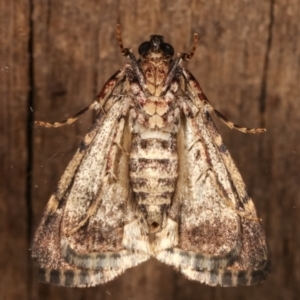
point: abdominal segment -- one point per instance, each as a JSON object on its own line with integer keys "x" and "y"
{"x": 153, "y": 176}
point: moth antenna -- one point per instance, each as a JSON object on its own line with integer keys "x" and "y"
{"x": 128, "y": 53}
{"x": 95, "y": 105}
{"x": 124, "y": 51}
{"x": 186, "y": 56}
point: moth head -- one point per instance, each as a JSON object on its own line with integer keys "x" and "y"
{"x": 156, "y": 45}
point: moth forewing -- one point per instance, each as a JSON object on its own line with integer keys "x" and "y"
{"x": 217, "y": 246}
{"x": 152, "y": 178}
{"x": 209, "y": 229}
{"x": 86, "y": 228}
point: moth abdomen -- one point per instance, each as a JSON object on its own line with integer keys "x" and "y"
{"x": 153, "y": 175}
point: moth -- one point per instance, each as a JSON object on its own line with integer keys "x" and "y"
{"x": 151, "y": 178}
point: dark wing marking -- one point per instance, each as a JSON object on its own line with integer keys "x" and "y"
{"x": 79, "y": 241}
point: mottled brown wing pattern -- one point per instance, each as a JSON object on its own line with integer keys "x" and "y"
{"x": 79, "y": 241}
{"x": 152, "y": 178}
{"x": 208, "y": 226}
{"x": 221, "y": 241}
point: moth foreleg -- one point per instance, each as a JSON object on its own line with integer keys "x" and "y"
{"x": 231, "y": 125}
{"x": 97, "y": 104}
{"x": 202, "y": 100}
{"x": 94, "y": 105}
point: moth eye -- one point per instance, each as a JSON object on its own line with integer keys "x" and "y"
{"x": 144, "y": 48}
{"x": 167, "y": 49}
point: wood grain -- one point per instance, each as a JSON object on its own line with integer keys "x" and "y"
{"x": 54, "y": 58}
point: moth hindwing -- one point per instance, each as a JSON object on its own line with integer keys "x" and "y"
{"x": 152, "y": 178}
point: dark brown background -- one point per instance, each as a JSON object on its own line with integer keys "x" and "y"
{"x": 56, "y": 55}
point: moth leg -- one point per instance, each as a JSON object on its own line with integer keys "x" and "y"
{"x": 231, "y": 125}
{"x": 128, "y": 53}
{"x": 209, "y": 108}
{"x": 97, "y": 104}
{"x": 94, "y": 105}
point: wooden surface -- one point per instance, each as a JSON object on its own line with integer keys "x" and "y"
{"x": 54, "y": 58}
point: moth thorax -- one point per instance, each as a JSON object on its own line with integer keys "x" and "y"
{"x": 155, "y": 71}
